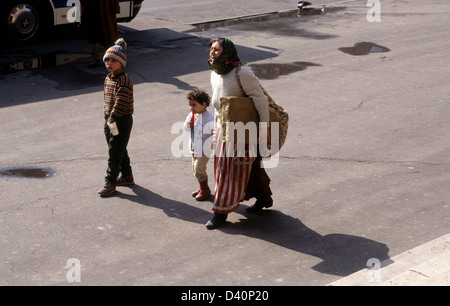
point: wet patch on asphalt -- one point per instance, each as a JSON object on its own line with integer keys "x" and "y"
{"x": 364, "y": 48}
{"x": 270, "y": 71}
{"x": 27, "y": 172}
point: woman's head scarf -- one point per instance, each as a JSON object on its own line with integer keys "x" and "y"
{"x": 227, "y": 60}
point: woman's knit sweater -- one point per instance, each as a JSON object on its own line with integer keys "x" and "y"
{"x": 227, "y": 85}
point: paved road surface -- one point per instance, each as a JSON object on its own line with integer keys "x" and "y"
{"x": 363, "y": 176}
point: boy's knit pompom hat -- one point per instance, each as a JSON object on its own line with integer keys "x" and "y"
{"x": 118, "y": 52}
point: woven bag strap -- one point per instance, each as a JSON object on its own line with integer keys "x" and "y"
{"x": 238, "y": 79}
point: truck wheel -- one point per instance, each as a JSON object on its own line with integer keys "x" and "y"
{"x": 25, "y": 20}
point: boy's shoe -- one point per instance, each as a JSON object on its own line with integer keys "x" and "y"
{"x": 107, "y": 190}
{"x": 125, "y": 181}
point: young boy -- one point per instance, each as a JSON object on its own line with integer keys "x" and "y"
{"x": 200, "y": 123}
{"x": 118, "y": 110}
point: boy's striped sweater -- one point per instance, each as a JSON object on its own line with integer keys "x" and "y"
{"x": 118, "y": 95}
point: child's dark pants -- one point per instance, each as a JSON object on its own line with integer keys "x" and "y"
{"x": 118, "y": 161}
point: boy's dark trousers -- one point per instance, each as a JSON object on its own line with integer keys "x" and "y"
{"x": 118, "y": 161}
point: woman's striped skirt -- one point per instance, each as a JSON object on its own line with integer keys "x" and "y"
{"x": 231, "y": 172}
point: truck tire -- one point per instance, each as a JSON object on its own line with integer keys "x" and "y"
{"x": 26, "y": 20}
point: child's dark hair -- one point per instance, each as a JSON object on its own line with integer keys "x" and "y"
{"x": 199, "y": 95}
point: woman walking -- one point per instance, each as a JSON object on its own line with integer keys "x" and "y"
{"x": 237, "y": 178}
{"x": 99, "y": 24}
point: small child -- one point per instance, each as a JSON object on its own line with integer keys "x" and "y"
{"x": 200, "y": 123}
{"x": 118, "y": 109}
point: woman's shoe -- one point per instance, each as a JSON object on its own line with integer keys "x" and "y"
{"x": 216, "y": 221}
{"x": 259, "y": 205}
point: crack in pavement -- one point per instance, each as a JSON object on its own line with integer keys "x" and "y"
{"x": 365, "y": 161}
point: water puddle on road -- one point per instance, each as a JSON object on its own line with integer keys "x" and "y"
{"x": 27, "y": 172}
{"x": 272, "y": 71}
{"x": 364, "y": 48}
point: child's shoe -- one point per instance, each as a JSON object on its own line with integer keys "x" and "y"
{"x": 204, "y": 193}
{"x": 194, "y": 193}
{"x": 125, "y": 181}
{"x": 107, "y": 190}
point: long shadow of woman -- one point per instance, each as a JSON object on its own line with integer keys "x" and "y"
{"x": 341, "y": 254}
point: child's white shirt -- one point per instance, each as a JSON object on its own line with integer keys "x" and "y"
{"x": 201, "y": 133}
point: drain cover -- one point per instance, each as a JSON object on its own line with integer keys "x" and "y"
{"x": 27, "y": 172}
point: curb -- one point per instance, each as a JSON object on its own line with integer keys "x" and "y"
{"x": 425, "y": 265}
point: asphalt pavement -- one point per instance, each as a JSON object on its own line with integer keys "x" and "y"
{"x": 360, "y": 188}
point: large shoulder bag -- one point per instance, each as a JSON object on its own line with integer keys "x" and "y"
{"x": 242, "y": 109}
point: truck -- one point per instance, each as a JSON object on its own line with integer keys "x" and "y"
{"x": 30, "y": 20}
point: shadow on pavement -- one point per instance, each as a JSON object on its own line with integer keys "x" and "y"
{"x": 341, "y": 254}
{"x": 154, "y": 56}
{"x": 172, "y": 208}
